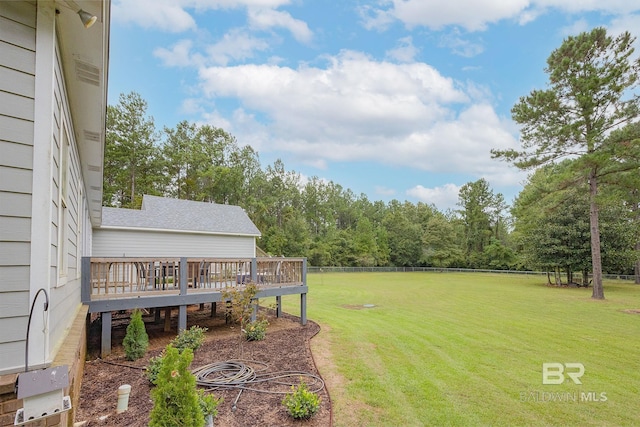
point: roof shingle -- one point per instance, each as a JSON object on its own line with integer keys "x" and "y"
{"x": 182, "y": 215}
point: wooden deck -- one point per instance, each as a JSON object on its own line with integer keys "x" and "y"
{"x": 114, "y": 284}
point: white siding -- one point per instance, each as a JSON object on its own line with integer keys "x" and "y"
{"x": 138, "y": 243}
{"x": 30, "y": 175}
{"x": 17, "y": 94}
{"x": 65, "y": 284}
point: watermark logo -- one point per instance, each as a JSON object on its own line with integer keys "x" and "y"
{"x": 554, "y": 372}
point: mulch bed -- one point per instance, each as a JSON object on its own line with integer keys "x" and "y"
{"x": 285, "y": 348}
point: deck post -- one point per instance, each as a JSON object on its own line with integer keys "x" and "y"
{"x": 303, "y": 297}
{"x": 254, "y": 270}
{"x": 85, "y": 280}
{"x": 182, "y": 318}
{"x": 167, "y": 319}
{"x": 254, "y": 310}
{"x": 303, "y": 309}
{"x": 279, "y": 306}
{"x": 105, "y": 349}
{"x": 182, "y": 310}
{"x": 184, "y": 276}
{"x": 213, "y": 309}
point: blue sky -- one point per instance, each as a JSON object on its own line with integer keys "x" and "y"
{"x": 396, "y": 99}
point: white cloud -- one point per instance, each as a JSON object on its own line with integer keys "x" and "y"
{"x": 173, "y": 16}
{"x": 614, "y": 7}
{"x": 165, "y": 15}
{"x": 235, "y": 45}
{"x": 179, "y": 55}
{"x": 372, "y": 18}
{"x": 630, "y": 22}
{"x": 269, "y": 18}
{"x": 576, "y": 28}
{"x": 232, "y": 4}
{"x": 475, "y": 15}
{"x": 404, "y": 52}
{"x": 357, "y": 109}
{"x": 459, "y": 45}
{"x": 444, "y": 197}
{"x": 353, "y": 95}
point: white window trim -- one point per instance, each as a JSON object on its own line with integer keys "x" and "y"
{"x": 63, "y": 194}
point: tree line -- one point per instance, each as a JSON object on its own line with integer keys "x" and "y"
{"x": 579, "y": 210}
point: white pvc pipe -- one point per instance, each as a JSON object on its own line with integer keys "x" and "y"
{"x": 123, "y": 398}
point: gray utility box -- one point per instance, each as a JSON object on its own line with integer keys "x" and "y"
{"x": 42, "y": 394}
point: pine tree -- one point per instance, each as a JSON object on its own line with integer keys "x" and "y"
{"x": 176, "y": 402}
{"x": 136, "y": 340}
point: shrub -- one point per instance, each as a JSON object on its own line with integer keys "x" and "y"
{"x": 255, "y": 331}
{"x": 241, "y": 302}
{"x": 189, "y": 338}
{"x": 153, "y": 368}
{"x": 176, "y": 402}
{"x": 136, "y": 340}
{"x": 301, "y": 403}
{"x": 208, "y": 403}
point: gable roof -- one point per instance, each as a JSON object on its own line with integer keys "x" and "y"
{"x": 165, "y": 214}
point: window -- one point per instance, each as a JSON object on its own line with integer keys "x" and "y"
{"x": 63, "y": 211}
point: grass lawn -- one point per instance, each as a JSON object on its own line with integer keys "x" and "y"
{"x": 466, "y": 349}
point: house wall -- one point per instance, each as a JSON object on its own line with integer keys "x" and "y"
{"x": 17, "y": 106}
{"x": 41, "y": 238}
{"x": 140, "y": 243}
{"x": 69, "y": 216}
{"x": 35, "y": 160}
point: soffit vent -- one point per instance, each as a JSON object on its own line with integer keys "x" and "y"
{"x": 91, "y": 136}
{"x": 87, "y": 73}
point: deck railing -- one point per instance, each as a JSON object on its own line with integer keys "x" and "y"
{"x": 126, "y": 277}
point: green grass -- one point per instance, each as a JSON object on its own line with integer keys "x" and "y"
{"x": 459, "y": 349}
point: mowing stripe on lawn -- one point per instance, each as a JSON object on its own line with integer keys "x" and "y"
{"x": 467, "y": 349}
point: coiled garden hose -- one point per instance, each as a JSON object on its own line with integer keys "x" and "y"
{"x": 236, "y": 374}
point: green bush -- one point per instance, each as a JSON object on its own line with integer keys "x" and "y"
{"x": 176, "y": 402}
{"x": 301, "y": 403}
{"x": 136, "y": 340}
{"x": 255, "y": 331}
{"x": 189, "y": 338}
{"x": 153, "y": 368}
{"x": 208, "y": 403}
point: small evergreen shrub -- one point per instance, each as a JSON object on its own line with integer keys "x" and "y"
{"x": 176, "y": 402}
{"x": 153, "y": 368}
{"x": 208, "y": 403}
{"x": 136, "y": 340}
{"x": 189, "y": 338}
{"x": 255, "y": 331}
{"x": 302, "y": 403}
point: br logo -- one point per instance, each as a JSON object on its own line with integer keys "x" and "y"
{"x": 554, "y": 372}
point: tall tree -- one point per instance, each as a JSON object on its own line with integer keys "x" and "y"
{"x": 132, "y": 165}
{"x": 441, "y": 248}
{"x": 404, "y": 236}
{"x": 591, "y": 77}
{"x": 624, "y": 144}
{"x": 481, "y": 210}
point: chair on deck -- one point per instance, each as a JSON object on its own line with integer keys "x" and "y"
{"x": 143, "y": 275}
{"x": 201, "y": 274}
